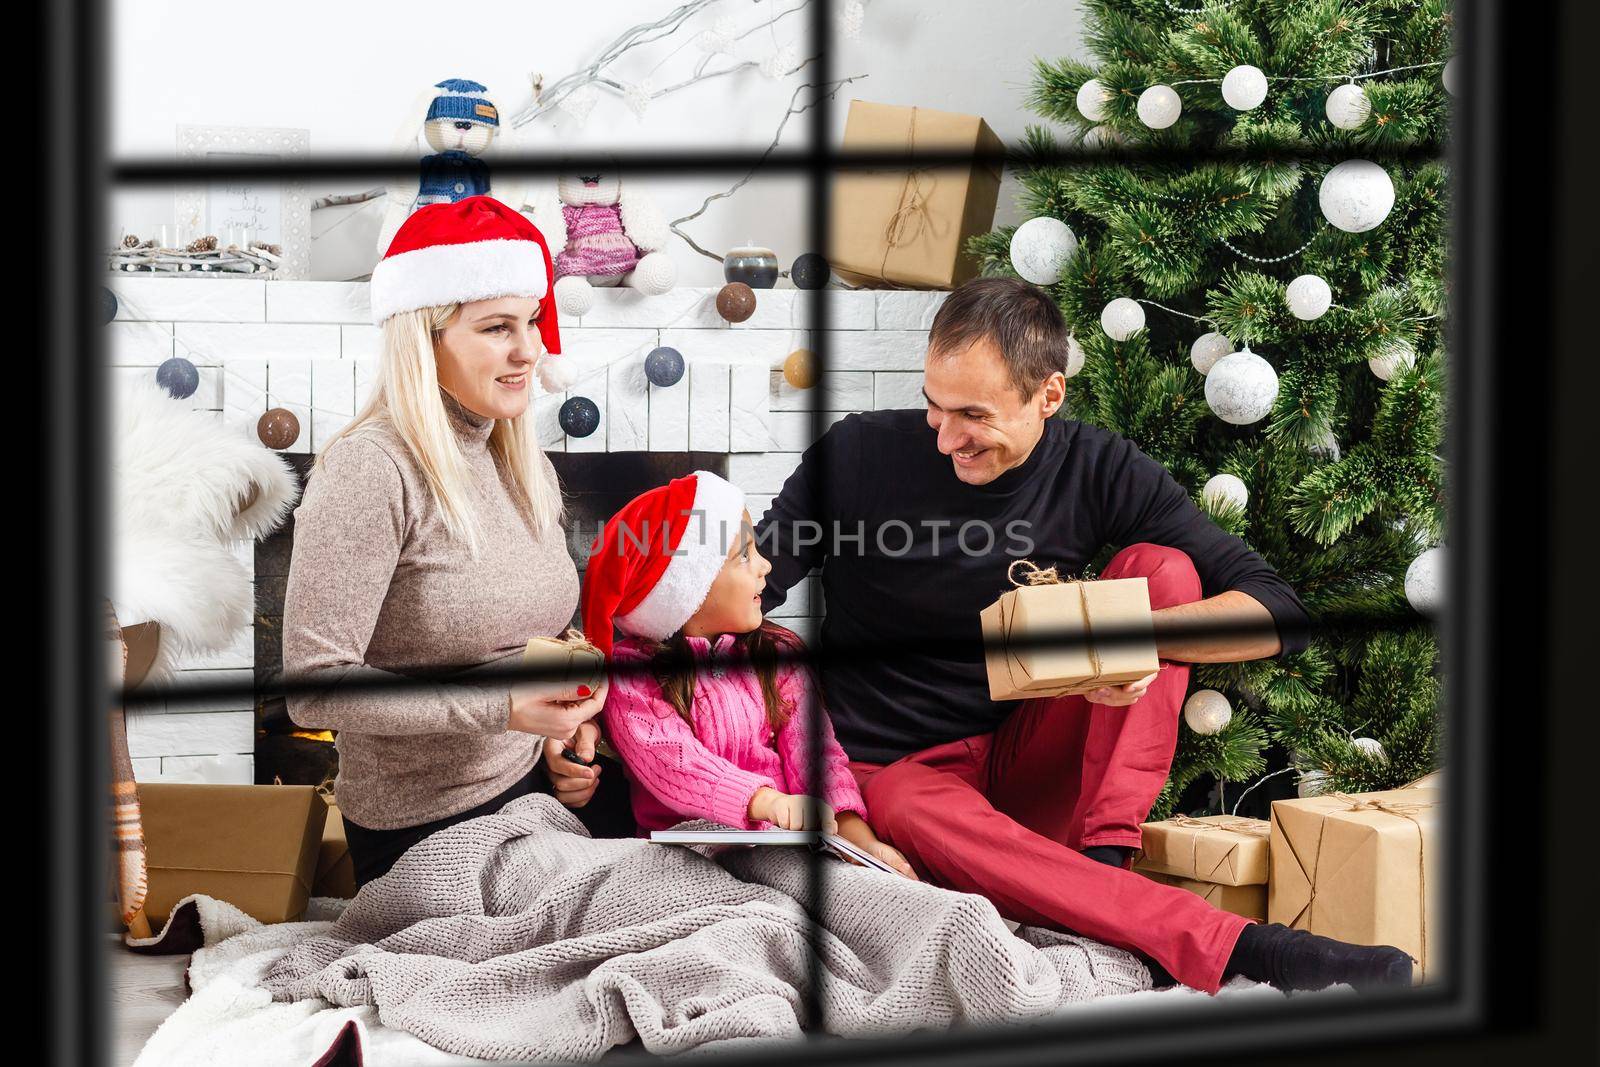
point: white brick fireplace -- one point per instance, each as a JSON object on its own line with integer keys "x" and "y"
{"x": 309, "y": 347}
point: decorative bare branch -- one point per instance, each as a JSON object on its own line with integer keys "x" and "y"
{"x": 825, "y": 91}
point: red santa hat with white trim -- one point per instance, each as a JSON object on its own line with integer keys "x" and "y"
{"x": 474, "y": 249}
{"x": 653, "y": 563}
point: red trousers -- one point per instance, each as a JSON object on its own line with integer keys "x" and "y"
{"x": 1004, "y": 814}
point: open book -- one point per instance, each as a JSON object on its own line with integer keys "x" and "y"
{"x": 830, "y": 843}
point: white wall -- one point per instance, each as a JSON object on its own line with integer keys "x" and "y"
{"x": 349, "y": 71}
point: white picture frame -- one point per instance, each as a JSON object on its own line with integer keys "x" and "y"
{"x": 276, "y": 212}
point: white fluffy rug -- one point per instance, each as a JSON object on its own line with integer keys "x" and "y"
{"x": 229, "y": 1018}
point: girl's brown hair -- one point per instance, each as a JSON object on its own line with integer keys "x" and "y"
{"x": 674, "y": 666}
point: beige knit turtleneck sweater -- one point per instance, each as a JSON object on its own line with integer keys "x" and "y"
{"x": 378, "y": 587}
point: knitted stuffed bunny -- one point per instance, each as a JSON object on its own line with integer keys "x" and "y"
{"x": 603, "y": 233}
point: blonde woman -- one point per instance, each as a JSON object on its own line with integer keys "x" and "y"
{"x": 429, "y": 538}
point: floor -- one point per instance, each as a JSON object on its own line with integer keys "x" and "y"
{"x": 144, "y": 991}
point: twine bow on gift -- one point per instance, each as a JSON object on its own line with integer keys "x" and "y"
{"x": 1403, "y": 809}
{"x": 911, "y": 208}
{"x": 1037, "y": 575}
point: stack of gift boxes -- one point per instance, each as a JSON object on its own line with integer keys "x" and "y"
{"x": 1359, "y": 868}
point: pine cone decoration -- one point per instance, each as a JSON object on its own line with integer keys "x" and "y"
{"x": 130, "y": 240}
{"x": 276, "y": 250}
{"x": 203, "y": 244}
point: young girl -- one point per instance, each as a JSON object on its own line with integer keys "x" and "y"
{"x": 708, "y": 723}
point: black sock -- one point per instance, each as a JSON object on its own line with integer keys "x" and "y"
{"x": 1298, "y": 959}
{"x": 1111, "y": 855}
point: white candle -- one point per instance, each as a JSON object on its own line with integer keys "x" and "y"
{"x": 164, "y": 235}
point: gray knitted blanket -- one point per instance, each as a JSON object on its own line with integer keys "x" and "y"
{"x": 517, "y": 936}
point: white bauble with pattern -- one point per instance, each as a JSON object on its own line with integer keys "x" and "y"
{"x": 1425, "y": 581}
{"x": 1356, "y": 195}
{"x": 1041, "y": 247}
{"x": 1225, "y": 490}
{"x": 1075, "y": 356}
{"x": 1394, "y": 357}
{"x": 1370, "y": 748}
{"x": 1241, "y": 388}
{"x": 1207, "y": 711}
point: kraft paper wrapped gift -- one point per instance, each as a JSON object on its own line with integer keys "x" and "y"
{"x": 1359, "y": 868}
{"x": 336, "y": 871}
{"x": 910, "y": 226}
{"x": 1222, "y": 849}
{"x": 1249, "y": 901}
{"x": 566, "y": 663}
{"x": 254, "y": 846}
{"x": 1064, "y": 618}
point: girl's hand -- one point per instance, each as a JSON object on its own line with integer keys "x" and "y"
{"x": 574, "y": 783}
{"x": 890, "y": 855}
{"x": 854, "y": 829}
{"x": 536, "y": 712}
{"x": 789, "y": 811}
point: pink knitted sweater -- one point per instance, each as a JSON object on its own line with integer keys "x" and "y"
{"x": 712, "y": 770}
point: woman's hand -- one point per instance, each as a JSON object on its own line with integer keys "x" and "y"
{"x": 574, "y": 783}
{"x": 854, "y": 829}
{"x": 789, "y": 811}
{"x": 535, "y": 712}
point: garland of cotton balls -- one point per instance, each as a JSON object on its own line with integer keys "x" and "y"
{"x": 1241, "y": 388}
{"x": 1207, "y": 349}
{"x": 1347, "y": 107}
{"x": 1041, "y": 247}
{"x": 1207, "y": 712}
{"x": 1423, "y": 580}
{"x": 1092, "y": 100}
{"x": 664, "y": 367}
{"x": 1159, "y": 106}
{"x": 1356, "y": 195}
{"x": 579, "y": 416}
{"x": 178, "y": 377}
{"x": 1122, "y": 318}
{"x": 1244, "y": 87}
{"x": 1308, "y": 297}
{"x": 1225, "y": 490}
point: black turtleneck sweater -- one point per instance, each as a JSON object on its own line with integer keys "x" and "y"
{"x": 908, "y": 579}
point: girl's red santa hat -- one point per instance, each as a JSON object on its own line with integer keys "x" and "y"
{"x": 474, "y": 249}
{"x": 653, "y": 564}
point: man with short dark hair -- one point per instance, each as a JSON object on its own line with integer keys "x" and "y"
{"x": 914, "y": 519}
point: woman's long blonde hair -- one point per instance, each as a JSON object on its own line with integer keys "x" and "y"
{"x": 406, "y": 396}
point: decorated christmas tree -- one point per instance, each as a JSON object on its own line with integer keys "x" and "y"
{"x": 1256, "y": 289}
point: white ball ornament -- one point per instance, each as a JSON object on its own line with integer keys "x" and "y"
{"x": 1448, "y": 76}
{"x": 1396, "y": 356}
{"x": 1244, "y": 87}
{"x": 1356, "y": 195}
{"x": 1122, "y": 318}
{"x": 1347, "y": 106}
{"x": 1103, "y": 137}
{"x": 1311, "y": 784}
{"x": 1092, "y": 99}
{"x": 1075, "y": 356}
{"x": 1159, "y": 106}
{"x": 1207, "y": 349}
{"x": 1207, "y": 711}
{"x": 1424, "y": 581}
{"x": 1041, "y": 247}
{"x": 1225, "y": 490}
{"x": 1370, "y": 748}
{"x": 1308, "y": 297}
{"x": 1241, "y": 388}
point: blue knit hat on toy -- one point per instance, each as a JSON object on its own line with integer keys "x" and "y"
{"x": 461, "y": 99}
